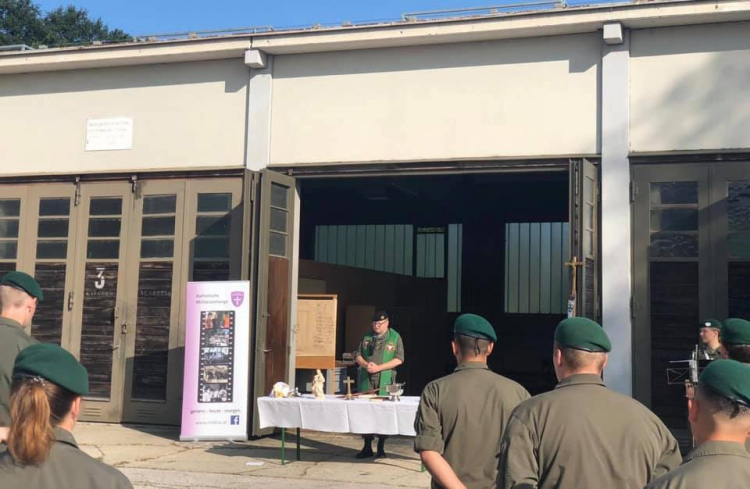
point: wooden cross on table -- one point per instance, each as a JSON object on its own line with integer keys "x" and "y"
{"x": 572, "y": 301}
{"x": 349, "y": 383}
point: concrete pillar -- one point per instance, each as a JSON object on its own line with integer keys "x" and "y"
{"x": 260, "y": 88}
{"x": 615, "y": 206}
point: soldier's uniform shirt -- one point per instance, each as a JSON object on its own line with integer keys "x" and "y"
{"x": 462, "y": 416}
{"x": 582, "y": 435}
{"x": 712, "y": 465}
{"x": 13, "y": 339}
{"x": 710, "y": 354}
{"x": 378, "y": 350}
{"x": 67, "y": 467}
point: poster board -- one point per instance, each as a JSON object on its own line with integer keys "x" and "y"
{"x": 217, "y": 341}
{"x": 316, "y": 331}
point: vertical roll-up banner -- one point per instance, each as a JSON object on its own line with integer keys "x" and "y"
{"x": 217, "y": 341}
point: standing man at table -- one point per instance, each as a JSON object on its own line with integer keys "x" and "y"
{"x": 461, "y": 417}
{"x": 378, "y": 356}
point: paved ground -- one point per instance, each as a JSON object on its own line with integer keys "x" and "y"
{"x": 152, "y": 457}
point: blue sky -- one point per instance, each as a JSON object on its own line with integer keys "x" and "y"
{"x": 159, "y": 16}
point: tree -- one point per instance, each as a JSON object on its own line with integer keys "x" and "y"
{"x": 23, "y": 22}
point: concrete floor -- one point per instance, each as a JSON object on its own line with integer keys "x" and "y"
{"x": 152, "y": 457}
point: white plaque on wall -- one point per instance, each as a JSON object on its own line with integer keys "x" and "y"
{"x": 109, "y": 134}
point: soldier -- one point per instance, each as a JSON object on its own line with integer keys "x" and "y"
{"x": 735, "y": 345}
{"x": 19, "y": 294}
{"x": 461, "y": 417}
{"x": 710, "y": 331}
{"x": 719, "y": 417}
{"x": 581, "y": 434}
{"x": 48, "y": 384}
{"x": 735, "y": 340}
{"x": 379, "y": 354}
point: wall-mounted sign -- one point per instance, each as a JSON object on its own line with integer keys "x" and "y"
{"x": 217, "y": 340}
{"x": 109, "y": 134}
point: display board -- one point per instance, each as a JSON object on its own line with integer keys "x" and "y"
{"x": 217, "y": 340}
{"x": 316, "y": 331}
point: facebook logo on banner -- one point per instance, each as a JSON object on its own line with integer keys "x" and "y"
{"x": 234, "y": 420}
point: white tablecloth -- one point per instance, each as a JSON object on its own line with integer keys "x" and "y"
{"x": 340, "y": 416}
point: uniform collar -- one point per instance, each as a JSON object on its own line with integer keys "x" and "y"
{"x": 472, "y": 366}
{"x": 11, "y": 322}
{"x": 710, "y": 448}
{"x": 581, "y": 379}
{"x": 65, "y": 436}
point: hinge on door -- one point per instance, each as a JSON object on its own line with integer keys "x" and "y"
{"x": 253, "y": 189}
{"x": 77, "y": 196}
{"x": 633, "y": 191}
{"x": 633, "y": 306}
{"x": 70, "y": 301}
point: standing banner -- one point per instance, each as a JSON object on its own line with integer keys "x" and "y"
{"x": 217, "y": 342}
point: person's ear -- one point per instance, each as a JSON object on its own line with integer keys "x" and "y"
{"x": 454, "y": 348}
{"x": 693, "y": 410}
{"x": 75, "y": 410}
{"x": 557, "y": 357}
{"x": 490, "y": 347}
{"x": 606, "y": 361}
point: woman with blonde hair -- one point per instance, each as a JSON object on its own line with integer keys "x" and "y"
{"x": 45, "y": 403}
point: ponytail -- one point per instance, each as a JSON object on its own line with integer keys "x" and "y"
{"x": 36, "y": 405}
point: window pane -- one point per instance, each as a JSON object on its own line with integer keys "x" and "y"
{"x": 212, "y": 225}
{"x": 8, "y": 250}
{"x": 210, "y": 271}
{"x": 214, "y": 202}
{"x": 278, "y": 220}
{"x": 279, "y": 196}
{"x": 277, "y": 245}
{"x": 9, "y": 228}
{"x": 10, "y": 207}
{"x": 52, "y": 249}
{"x": 53, "y": 228}
{"x": 739, "y": 193}
{"x": 103, "y": 249}
{"x": 105, "y": 207}
{"x": 674, "y": 193}
{"x": 738, "y": 218}
{"x": 54, "y": 207}
{"x": 159, "y": 204}
{"x": 674, "y": 220}
{"x": 99, "y": 228}
{"x": 211, "y": 247}
{"x": 674, "y": 245}
{"x": 157, "y": 248}
{"x": 154, "y": 226}
{"x": 738, "y": 245}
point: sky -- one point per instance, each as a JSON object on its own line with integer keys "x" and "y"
{"x": 139, "y": 17}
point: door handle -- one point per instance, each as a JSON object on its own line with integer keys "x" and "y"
{"x": 268, "y": 351}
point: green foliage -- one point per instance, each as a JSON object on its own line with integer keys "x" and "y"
{"x": 23, "y": 22}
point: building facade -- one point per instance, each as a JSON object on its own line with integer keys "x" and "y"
{"x": 512, "y": 142}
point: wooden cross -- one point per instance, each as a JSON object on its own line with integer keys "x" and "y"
{"x": 349, "y": 383}
{"x": 573, "y": 300}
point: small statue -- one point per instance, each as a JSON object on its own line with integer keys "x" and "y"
{"x": 317, "y": 385}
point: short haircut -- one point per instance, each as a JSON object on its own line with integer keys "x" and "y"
{"x": 741, "y": 353}
{"x": 470, "y": 346}
{"x": 578, "y": 359}
{"x": 731, "y": 409}
{"x": 12, "y": 297}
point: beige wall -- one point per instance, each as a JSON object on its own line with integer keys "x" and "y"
{"x": 522, "y": 97}
{"x": 690, "y": 88}
{"x": 185, "y": 115}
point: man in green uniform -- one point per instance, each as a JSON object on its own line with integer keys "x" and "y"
{"x": 735, "y": 345}
{"x": 461, "y": 417}
{"x": 581, "y": 434}
{"x": 379, "y": 354}
{"x": 19, "y": 294}
{"x": 710, "y": 334}
{"x": 719, "y": 417}
{"x": 63, "y": 465}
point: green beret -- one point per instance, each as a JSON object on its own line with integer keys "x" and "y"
{"x": 736, "y": 332}
{"x": 52, "y": 363}
{"x": 379, "y": 316}
{"x": 728, "y": 378}
{"x": 711, "y": 323}
{"x": 582, "y": 334}
{"x": 474, "y": 326}
{"x": 25, "y": 282}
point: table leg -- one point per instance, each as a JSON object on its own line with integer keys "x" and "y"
{"x": 283, "y": 446}
{"x": 298, "y": 450}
